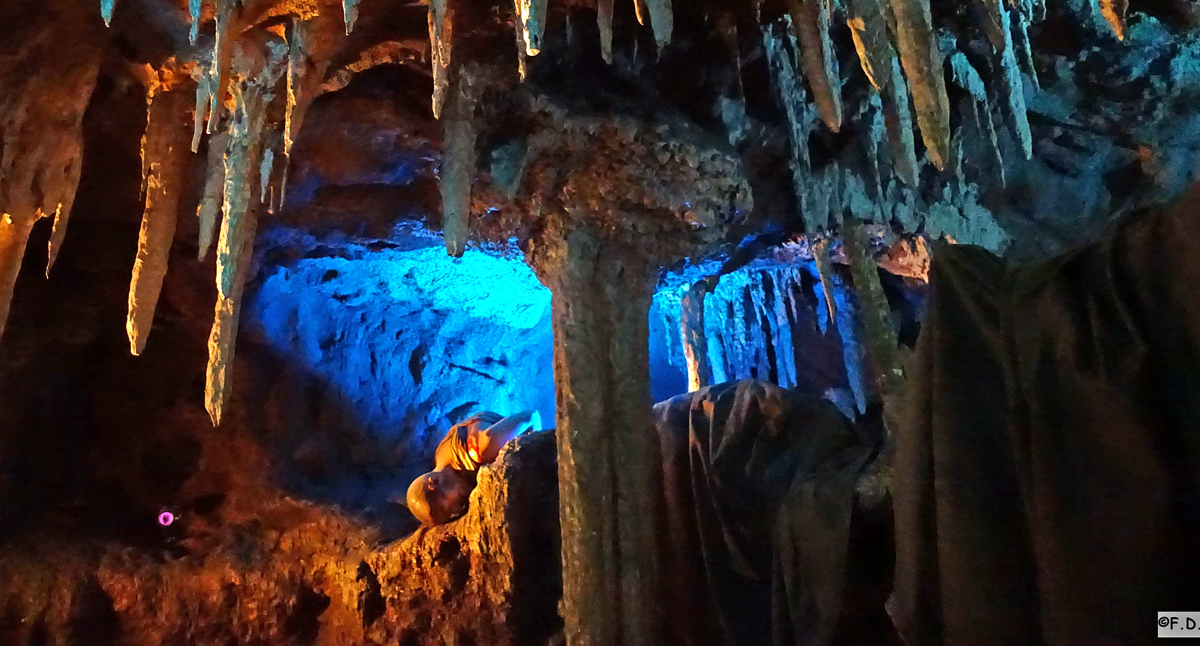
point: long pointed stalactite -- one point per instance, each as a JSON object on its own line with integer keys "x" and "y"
{"x": 243, "y": 159}
{"x": 922, "y": 63}
{"x": 41, "y": 144}
{"x": 165, "y": 154}
{"x": 811, "y": 22}
{"x": 459, "y": 157}
{"x": 441, "y": 33}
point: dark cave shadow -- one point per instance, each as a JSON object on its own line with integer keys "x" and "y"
{"x": 322, "y": 450}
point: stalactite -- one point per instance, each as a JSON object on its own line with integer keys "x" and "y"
{"x": 296, "y": 69}
{"x": 458, "y": 161}
{"x": 106, "y": 11}
{"x": 350, "y": 12}
{"x": 1013, "y": 89}
{"x": 222, "y": 55}
{"x": 440, "y": 34}
{"x": 868, "y": 27}
{"x": 209, "y": 210}
{"x": 522, "y": 64}
{"x": 641, "y": 12}
{"x": 876, "y": 315}
{"x": 923, "y": 67}
{"x": 993, "y": 24}
{"x": 604, "y": 18}
{"x": 532, "y": 17}
{"x": 1025, "y": 50}
{"x": 194, "y": 13}
{"x": 164, "y": 158}
{"x": 41, "y": 144}
{"x": 820, "y": 251}
{"x": 243, "y": 159}
{"x": 205, "y": 86}
{"x": 1114, "y": 12}
{"x": 14, "y": 236}
{"x": 662, "y": 21}
{"x": 810, "y": 20}
{"x": 968, "y": 78}
{"x": 898, "y": 119}
{"x": 692, "y": 333}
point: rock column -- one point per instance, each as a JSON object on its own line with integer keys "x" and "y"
{"x": 607, "y": 457}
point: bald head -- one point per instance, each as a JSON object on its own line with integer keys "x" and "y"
{"x": 439, "y": 497}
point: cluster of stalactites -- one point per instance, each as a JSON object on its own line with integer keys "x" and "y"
{"x": 902, "y": 56}
{"x": 241, "y": 164}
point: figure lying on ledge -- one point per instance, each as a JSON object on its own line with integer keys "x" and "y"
{"x": 758, "y": 492}
{"x": 441, "y": 495}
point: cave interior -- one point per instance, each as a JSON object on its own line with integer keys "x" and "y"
{"x": 307, "y": 237}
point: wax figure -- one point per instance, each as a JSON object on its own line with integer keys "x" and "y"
{"x": 1047, "y": 473}
{"x": 442, "y": 494}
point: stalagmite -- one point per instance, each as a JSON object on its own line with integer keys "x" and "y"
{"x": 966, "y": 77}
{"x": 440, "y": 34}
{"x": 458, "y": 161}
{"x": 810, "y": 20}
{"x": 214, "y": 188}
{"x": 1013, "y": 90}
{"x": 1114, "y": 12}
{"x": 106, "y": 11}
{"x": 164, "y": 158}
{"x": 350, "y": 12}
{"x": 692, "y": 333}
{"x": 923, "y": 66}
{"x": 532, "y": 17}
{"x": 604, "y": 18}
{"x": 194, "y": 13}
{"x": 662, "y": 21}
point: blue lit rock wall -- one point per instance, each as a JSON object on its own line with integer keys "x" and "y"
{"x": 412, "y": 339}
{"x": 765, "y": 321}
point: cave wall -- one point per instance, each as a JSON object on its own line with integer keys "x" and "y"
{"x": 412, "y": 339}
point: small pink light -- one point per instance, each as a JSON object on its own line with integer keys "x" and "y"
{"x": 166, "y": 518}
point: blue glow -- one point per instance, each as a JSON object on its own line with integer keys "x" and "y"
{"x": 413, "y": 339}
{"x": 766, "y": 321}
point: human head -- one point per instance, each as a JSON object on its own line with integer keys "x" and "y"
{"x": 439, "y": 497}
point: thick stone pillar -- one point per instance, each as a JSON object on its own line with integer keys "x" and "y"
{"x": 607, "y": 461}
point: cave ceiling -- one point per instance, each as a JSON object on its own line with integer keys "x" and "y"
{"x": 1023, "y": 126}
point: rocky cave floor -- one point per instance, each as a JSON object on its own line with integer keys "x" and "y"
{"x": 294, "y": 572}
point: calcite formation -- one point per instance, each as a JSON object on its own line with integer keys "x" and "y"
{"x": 897, "y": 43}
